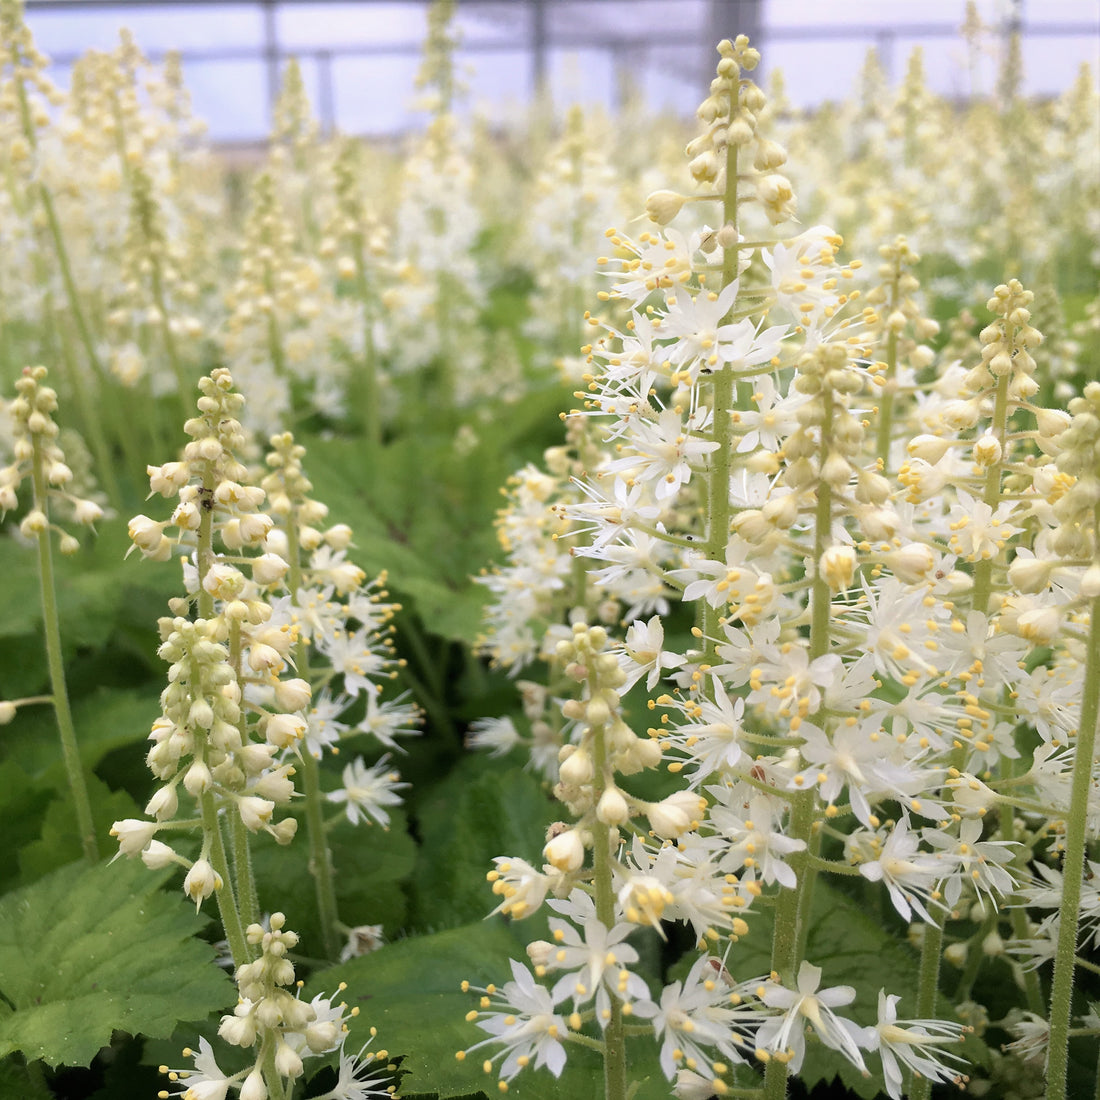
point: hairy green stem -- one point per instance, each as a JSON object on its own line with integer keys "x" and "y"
{"x": 614, "y": 1059}
{"x": 320, "y": 855}
{"x": 74, "y": 769}
{"x": 722, "y": 404}
{"x": 1073, "y": 864}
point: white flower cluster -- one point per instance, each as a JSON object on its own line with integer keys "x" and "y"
{"x": 863, "y": 629}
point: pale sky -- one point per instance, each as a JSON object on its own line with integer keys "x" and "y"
{"x": 371, "y": 91}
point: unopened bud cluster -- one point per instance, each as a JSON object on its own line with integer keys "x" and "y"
{"x": 227, "y": 716}
{"x": 39, "y": 457}
{"x": 605, "y": 747}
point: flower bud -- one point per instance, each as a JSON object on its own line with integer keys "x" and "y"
{"x": 133, "y": 835}
{"x": 663, "y": 206}
{"x": 254, "y": 1087}
{"x": 7, "y": 711}
{"x": 911, "y": 563}
{"x": 293, "y": 695}
{"x": 929, "y": 447}
{"x": 987, "y": 450}
{"x": 201, "y": 881}
{"x": 565, "y": 851}
{"x": 157, "y": 856}
{"x": 838, "y": 566}
{"x": 164, "y": 804}
{"x": 677, "y": 814}
{"x": 576, "y": 768}
{"x": 612, "y": 809}
{"x": 255, "y": 812}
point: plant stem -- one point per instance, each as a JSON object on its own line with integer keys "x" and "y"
{"x": 320, "y": 856}
{"x": 74, "y": 770}
{"x": 1073, "y": 864}
{"x": 226, "y": 896}
{"x": 722, "y": 403}
{"x": 614, "y": 1057}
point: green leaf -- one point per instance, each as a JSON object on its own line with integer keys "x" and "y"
{"x": 476, "y": 814}
{"x": 370, "y": 864}
{"x": 91, "y": 949}
{"x": 23, "y": 806}
{"x": 105, "y": 720}
{"x": 411, "y": 992}
{"x": 20, "y": 595}
{"x": 59, "y": 843}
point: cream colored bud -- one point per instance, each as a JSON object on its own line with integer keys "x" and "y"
{"x": 662, "y": 206}
{"x": 7, "y": 711}
{"x": 284, "y": 730}
{"x": 145, "y": 534}
{"x": 955, "y": 954}
{"x": 838, "y": 566}
{"x": 164, "y": 804}
{"x": 1039, "y": 625}
{"x": 59, "y": 474}
{"x": 1090, "y": 582}
{"x": 268, "y": 569}
{"x": 987, "y": 450}
{"x": 255, "y": 812}
{"x": 781, "y": 511}
{"x": 339, "y": 536}
{"x": 612, "y": 808}
{"x": 34, "y": 523}
{"x": 87, "y": 512}
{"x": 201, "y": 881}
{"x": 769, "y": 156}
{"x": 133, "y": 835}
{"x": 921, "y": 356}
{"x": 675, "y": 815}
{"x": 68, "y": 545}
{"x": 156, "y": 856}
{"x": 198, "y": 779}
{"x": 541, "y": 953}
{"x": 896, "y": 322}
{"x": 911, "y": 563}
{"x": 254, "y": 1087}
{"x": 1028, "y": 574}
{"x": 577, "y": 768}
{"x": 293, "y": 695}
{"x": 565, "y": 851}
{"x": 284, "y": 832}
{"x": 929, "y": 447}
{"x": 993, "y": 945}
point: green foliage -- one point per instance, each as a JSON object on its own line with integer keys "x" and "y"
{"x": 90, "y": 950}
{"x": 475, "y": 814}
{"x": 371, "y": 865}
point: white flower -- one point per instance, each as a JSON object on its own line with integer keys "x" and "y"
{"x": 908, "y": 872}
{"x": 787, "y": 1033}
{"x": 522, "y": 888}
{"x": 595, "y": 960}
{"x": 697, "y": 1014}
{"x": 133, "y": 835}
{"x": 917, "y": 1044}
{"x": 498, "y": 735}
{"x": 755, "y": 841}
{"x": 367, "y": 790}
{"x": 206, "y": 1081}
{"x": 526, "y": 1026}
{"x": 354, "y": 1081}
{"x": 644, "y": 652}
